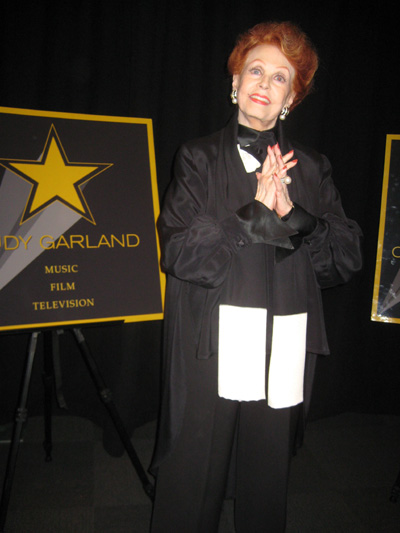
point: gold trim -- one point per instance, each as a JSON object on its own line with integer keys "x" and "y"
{"x": 125, "y": 319}
{"x": 73, "y": 116}
{"x": 156, "y": 203}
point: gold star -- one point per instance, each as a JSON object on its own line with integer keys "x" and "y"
{"x": 53, "y": 178}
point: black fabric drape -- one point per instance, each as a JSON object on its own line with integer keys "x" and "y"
{"x": 166, "y": 60}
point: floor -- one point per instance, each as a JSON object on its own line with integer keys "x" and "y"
{"x": 341, "y": 479}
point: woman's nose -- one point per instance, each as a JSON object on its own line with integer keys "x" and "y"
{"x": 264, "y": 84}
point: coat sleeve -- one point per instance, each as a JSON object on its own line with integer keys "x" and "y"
{"x": 198, "y": 247}
{"x": 335, "y": 243}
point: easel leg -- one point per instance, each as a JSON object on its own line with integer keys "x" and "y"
{"x": 20, "y": 419}
{"x": 52, "y": 382}
{"x": 106, "y": 397}
{"x": 47, "y": 377}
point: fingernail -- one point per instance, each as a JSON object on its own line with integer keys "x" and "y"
{"x": 294, "y": 160}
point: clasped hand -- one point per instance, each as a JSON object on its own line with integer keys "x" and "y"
{"x": 271, "y": 191}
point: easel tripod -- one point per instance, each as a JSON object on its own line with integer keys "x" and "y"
{"x": 21, "y": 413}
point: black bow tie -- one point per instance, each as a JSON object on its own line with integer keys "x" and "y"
{"x": 255, "y": 142}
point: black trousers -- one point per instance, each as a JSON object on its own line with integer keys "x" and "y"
{"x": 249, "y": 442}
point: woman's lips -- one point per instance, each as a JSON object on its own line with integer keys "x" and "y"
{"x": 259, "y": 99}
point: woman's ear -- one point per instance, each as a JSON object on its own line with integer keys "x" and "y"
{"x": 235, "y": 81}
{"x": 290, "y": 99}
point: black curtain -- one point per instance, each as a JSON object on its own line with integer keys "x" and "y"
{"x": 166, "y": 60}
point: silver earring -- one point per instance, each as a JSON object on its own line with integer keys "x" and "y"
{"x": 234, "y": 96}
{"x": 284, "y": 113}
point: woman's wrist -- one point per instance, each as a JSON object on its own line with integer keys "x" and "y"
{"x": 288, "y": 214}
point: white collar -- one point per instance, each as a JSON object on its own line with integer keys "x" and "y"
{"x": 250, "y": 163}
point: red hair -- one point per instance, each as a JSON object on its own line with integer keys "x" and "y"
{"x": 291, "y": 41}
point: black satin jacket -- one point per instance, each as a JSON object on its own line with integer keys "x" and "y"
{"x": 208, "y": 217}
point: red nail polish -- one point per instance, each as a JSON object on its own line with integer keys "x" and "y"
{"x": 294, "y": 160}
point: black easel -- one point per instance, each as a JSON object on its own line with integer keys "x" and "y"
{"x": 51, "y": 374}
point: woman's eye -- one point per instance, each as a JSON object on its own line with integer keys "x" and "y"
{"x": 255, "y": 71}
{"x": 280, "y": 78}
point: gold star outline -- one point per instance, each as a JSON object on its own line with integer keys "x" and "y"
{"x": 54, "y": 178}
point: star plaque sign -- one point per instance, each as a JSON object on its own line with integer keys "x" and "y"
{"x": 78, "y": 205}
{"x": 386, "y": 297}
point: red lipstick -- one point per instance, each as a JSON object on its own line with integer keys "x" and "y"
{"x": 259, "y": 99}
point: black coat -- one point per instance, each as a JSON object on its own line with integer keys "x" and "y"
{"x": 209, "y": 218}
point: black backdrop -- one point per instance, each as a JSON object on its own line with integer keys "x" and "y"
{"x": 165, "y": 60}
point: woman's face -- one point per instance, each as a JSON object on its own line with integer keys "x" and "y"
{"x": 263, "y": 87}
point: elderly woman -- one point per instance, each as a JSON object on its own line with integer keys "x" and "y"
{"x": 251, "y": 229}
